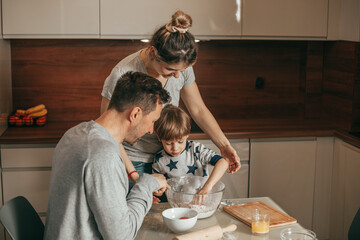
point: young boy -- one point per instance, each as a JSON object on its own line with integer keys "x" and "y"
{"x": 181, "y": 157}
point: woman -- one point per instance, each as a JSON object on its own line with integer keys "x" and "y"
{"x": 169, "y": 58}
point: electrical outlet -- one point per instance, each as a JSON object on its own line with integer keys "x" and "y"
{"x": 259, "y": 83}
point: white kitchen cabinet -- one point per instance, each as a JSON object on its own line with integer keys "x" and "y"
{"x": 322, "y": 189}
{"x": 284, "y": 18}
{"x": 2, "y": 230}
{"x": 284, "y": 170}
{"x": 50, "y": 19}
{"x": 212, "y": 19}
{"x": 26, "y": 171}
{"x": 140, "y": 18}
{"x": 32, "y": 184}
{"x": 345, "y": 188}
{"x": 344, "y": 20}
{"x": 349, "y": 28}
{"x": 26, "y": 155}
{"x": 236, "y": 184}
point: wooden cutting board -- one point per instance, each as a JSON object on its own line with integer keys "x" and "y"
{"x": 243, "y": 213}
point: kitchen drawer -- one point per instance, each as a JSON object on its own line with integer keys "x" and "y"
{"x": 33, "y": 185}
{"x": 29, "y": 155}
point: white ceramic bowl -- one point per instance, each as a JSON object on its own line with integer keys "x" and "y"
{"x": 179, "y": 219}
{"x": 183, "y": 192}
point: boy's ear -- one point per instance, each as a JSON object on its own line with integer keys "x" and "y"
{"x": 135, "y": 114}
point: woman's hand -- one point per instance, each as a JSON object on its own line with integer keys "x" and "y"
{"x": 229, "y": 153}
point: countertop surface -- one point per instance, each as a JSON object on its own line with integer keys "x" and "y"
{"x": 153, "y": 226}
{"x": 53, "y": 131}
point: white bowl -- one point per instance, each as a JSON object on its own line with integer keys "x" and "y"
{"x": 179, "y": 219}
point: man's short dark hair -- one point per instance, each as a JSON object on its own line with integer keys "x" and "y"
{"x": 136, "y": 89}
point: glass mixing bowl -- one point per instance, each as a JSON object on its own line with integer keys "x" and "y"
{"x": 296, "y": 234}
{"x": 183, "y": 194}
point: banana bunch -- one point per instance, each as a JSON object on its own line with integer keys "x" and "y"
{"x": 34, "y": 112}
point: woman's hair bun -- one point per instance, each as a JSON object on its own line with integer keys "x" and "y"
{"x": 173, "y": 42}
{"x": 181, "y": 20}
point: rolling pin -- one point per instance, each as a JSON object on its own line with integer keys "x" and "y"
{"x": 209, "y": 233}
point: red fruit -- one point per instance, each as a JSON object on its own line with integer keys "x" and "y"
{"x": 17, "y": 114}
{"x": 12, "y": 120}
{"x": 19, "y": 122}
{"x": 41, "y": 121}
{"x": 28, "y": 121}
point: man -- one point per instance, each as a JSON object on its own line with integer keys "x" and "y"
{"x": 89, "y": 184}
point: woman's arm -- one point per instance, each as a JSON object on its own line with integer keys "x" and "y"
{"x": 206, "y": 121}
{"x": 128, "y": 164}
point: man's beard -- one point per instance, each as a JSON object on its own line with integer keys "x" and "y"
{"x": 134, "y": 133}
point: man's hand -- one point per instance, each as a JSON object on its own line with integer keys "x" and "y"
{"x": 155, "y": 200}
{"x": 231, "y": 156}
{"x": 162, "y": 182}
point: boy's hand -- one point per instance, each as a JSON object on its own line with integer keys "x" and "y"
{"x": 199, "y": 198}
{"x": 205, "y": 189}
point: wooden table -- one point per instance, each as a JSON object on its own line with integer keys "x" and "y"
{"x": 154, "y": 228}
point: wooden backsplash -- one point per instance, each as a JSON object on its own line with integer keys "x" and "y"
{"x": 341, "y": 84}
{"x": 68, "y": 75}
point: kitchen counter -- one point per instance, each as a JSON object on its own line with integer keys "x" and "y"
{"x": 53, "y": 131}
{"x": 50, "y": 133}
{"x": 154, "y": 228}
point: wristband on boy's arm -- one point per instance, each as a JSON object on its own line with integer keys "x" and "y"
{"x": 131, "y": 173}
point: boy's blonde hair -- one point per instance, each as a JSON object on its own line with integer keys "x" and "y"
{"x": 173, "y": 123}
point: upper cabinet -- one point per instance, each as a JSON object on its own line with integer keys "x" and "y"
{"x": 50, "y": 18}
{"x": 216, "y": 19}
{"x": 138, "y": 19}
{"x": 212, "y": 19}
{"x": 285, "y": 18}
{"x": 344, "y": 20}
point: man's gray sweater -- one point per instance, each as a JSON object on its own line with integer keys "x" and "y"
{"x": 88, "y": 196}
